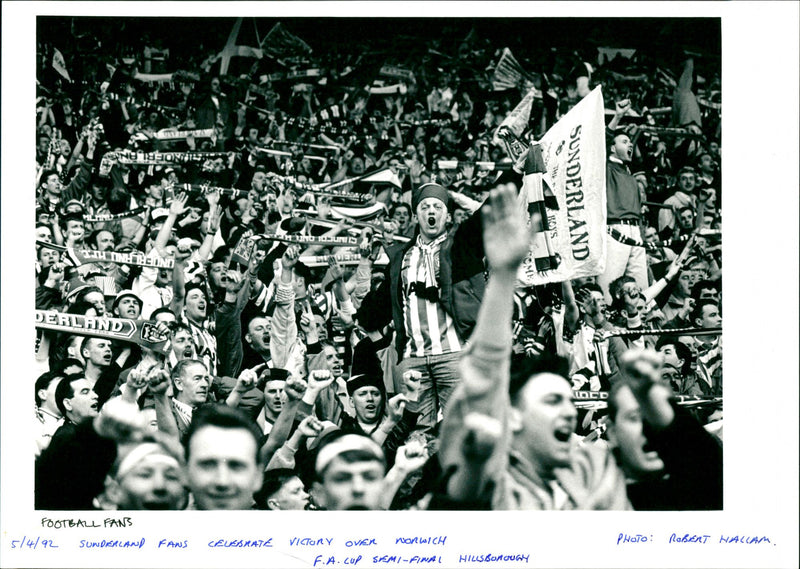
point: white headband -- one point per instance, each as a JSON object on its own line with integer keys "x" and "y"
{"x": 345, "y": 444}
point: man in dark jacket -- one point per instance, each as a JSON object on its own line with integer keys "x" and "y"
{"x": 434, "y": 285}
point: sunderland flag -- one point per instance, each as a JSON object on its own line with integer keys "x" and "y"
{"x": 574, "y": 156}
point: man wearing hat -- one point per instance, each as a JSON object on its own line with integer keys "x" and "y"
{"x": 127, "y": 304}
{"x": 434, "y": 285}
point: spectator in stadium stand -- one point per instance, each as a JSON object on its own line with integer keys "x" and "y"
{"x": 669, "y": 460}
{"x": 192, "y": 386}
{"x": 214, "y": 111}
{"x": 71, "y": 231}
{"x": 53, "y": 193}
{"x": 707, "y": 348}
{"x": 127, "y": 305}
{"x": 268, "y": 402}
{"x": 181, "y": 344}
{"x": 708, "y": 168}
{"x": 110, "y": 277}
{"x": 282, "y": 490}
{"x": 401, "y": 213}
{"x": 223, "y": 463}
{"x": 585, "y": 323}
{"x": 509, "y": 440}
{"x": 71, "y": 471}
{"x": 436, "y": 273}
{"x": 679, "y": 303}
{"x": 624, "y": 209}
{"x": 678, "y": 357}
{"x": 683, "y": 196}
{"x": 47, "y": 412}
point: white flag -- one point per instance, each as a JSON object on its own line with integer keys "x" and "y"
{"x": 574, "y": 156}
{"x": 59, "y": 65}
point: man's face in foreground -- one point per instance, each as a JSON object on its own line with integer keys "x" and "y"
{"x": 352, "y": 485}
{"x": 155, "y": 483}
{"x": 544, "y": 419}
{"x": 626, "y": 432}
{"x": 222, "y": 467}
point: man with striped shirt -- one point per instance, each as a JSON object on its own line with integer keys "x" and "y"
{"x": 434, "y": 286}
{"x": 708, "y": 348}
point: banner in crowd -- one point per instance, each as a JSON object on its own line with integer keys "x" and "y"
{"x": 574, "y": 157}
{"x": 292, "y": 75}
{"x": 398, "y": 73}
{"x": 142, "y": 332}
{"x": 509, "y": 74}
{"x": 203, "y": 189}
{"x": 367, "y": 213}
{"x": 690, "y": 331}
{"x": 86, "y": 256}
{"x": 311, "y": 240}
{"x": 377, "y": 230}
{"x": 102, "y": 217}
{"x": 280, "y": 42}
{"x": 176, "y": 134}
{"x": 480, "y": 165}
{"x": 517, "y": 120}
{"x": 318, "y": 189}
{"x": 313, "y": 261}
{"x": 599, "y": 399}
{"x": 164, "y": 158}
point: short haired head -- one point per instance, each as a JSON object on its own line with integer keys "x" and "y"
{"x": 43, "y": 384}
{"x": 224, "y": 417}
{"x": 224, "y": 465}
{"x": 342, "y": 459}
{"x": 697, "y": 313}
{"x": 276, "y": 482}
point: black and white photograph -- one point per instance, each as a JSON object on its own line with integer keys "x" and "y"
{"x": 437, "y": 266}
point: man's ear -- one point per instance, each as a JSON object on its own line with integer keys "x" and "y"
{"x": 42, "y": 393}
{"x": 248, "y": 338}
{"x": 113, "y": 491}
{"x": 319, "y": 494}
{"x": 273, "y": 504}
{"x": 67, "y": 404}
{"x": 178, "y": 383}
{"x": 515, "y": 420}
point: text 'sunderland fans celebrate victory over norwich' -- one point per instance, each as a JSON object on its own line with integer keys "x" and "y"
{"x": 445, "y": 270}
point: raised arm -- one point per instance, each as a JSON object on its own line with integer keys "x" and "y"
{"x": 284, "y": 325}
{"x": 476, "y": 415}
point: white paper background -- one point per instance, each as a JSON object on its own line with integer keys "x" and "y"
{"x": 760, "y": 165}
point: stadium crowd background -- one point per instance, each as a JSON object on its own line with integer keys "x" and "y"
{"x": 276, "y": 330}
